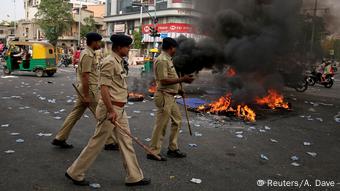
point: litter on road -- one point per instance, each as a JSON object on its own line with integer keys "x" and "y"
{"x": 57, "y": 117}
{"x": 295, "y": 164}
{"x": 313, "y": 154}
{"x": 5, "y": 125}
{"x": 196, "y": 180}
{"x": 95, "y": 185}
{"x": 147, "y": 139}
{"x": 294, "y": 158}
{"x": 264, "y": 157}
{"x": 44, "y": 134}
{"x": 239, "y": 136}
{"x": 192, "y": 145}
{"x": 267, "y": 128}
{"x": 274, "y": 141}
{"x": 197, "y": 134}
{"x": 136, "y": 111}
{"x": 19, "y": 141}
{"x": 14, "y": 134}
{"x": 307, "y": 143}
{"x": 9, "y": 151}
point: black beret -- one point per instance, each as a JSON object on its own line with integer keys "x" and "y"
{"x": 92, "y": 36}
{"x": 169, "y": 42}
{"x": 121, "y": 40}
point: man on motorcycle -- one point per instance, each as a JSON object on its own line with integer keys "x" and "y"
{"x": 328, "y": 69}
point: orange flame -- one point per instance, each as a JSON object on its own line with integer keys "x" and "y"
{"x": 273, "y": 100}
{"x": 231, "y": 72}
{"x": 224, "y": 105}
{"x": 135, "y": 95}
{"x": 152, "y": 89}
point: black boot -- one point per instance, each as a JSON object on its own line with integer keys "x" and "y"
{"x": 176, "y": 154}
{"x": 76, "y": 182}
{"x": 61, "y": 144}
{"x": 143, "y": 182}
{"x": 151, "y": 157}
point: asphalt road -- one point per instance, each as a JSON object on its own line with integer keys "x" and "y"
{"x": 31, "y": 105}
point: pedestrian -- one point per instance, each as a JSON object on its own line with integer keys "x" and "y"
{"x": 76, "y": 57}
{"x": 110, "y": 110}
{"x": 168, "y": 85}
{"x": 87, "y": 77}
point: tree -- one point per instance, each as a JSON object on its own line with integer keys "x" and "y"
{"x": 137, "y": 39}
{"x": 89, "y": 26}
{"x": 54, "y": 18}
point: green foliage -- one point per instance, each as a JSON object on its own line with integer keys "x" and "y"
{"x": 137, "y": 37}
{"x": 89, "y": 26}
{"x": 54, "y": 18}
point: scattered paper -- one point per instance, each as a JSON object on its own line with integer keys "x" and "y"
{"x": 274, "y": 141}
{"x": 9, "y": 151}
{"x": 154, "y": 110}
{"x": 313, "y": 154}
{"x": 319, "y": 119}
{"x": 136, "y": 111}
{"x": 252, "y": 127}
{"x": 239, "y": 136}
{"x": 239, "y": 132}
{"x": 19, "y": 140}
{"x": 337, "y": 118}
{"x": 95, "y": 185}
{"x": 267, "y": 128}
{"x": 57, "y": 117}
{"x": 197, "y": 134}
{"x": 294, "y": 158}
{"x": 14, "y": 134}
{"x": 130, "y": 103}
{"x": 86, "y": 116}
{"x": 307, "y": 143}
{"x": 197, "y": 125}
{"x": 264, "y": 157}
{"x": 5, "y": 125}
{"x": 192, "y": 145}
{"x": 147, "y": 139}
{"x": 152, "y": 114}
{"x": 196, "y": 180}
{"x": 51, "y": 101}
{"x": 262, "y": 130}
{"x": 44, "y": 134}
{"x": 295, "y": 164}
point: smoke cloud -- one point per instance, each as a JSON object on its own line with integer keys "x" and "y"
{"x": 257, "y": 38}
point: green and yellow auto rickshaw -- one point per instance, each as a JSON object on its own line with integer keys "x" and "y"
{"x": 38, "y": 57}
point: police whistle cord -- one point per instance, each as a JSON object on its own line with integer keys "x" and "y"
{"x": 146, "y": 148}
{"x": 186, "y": 109}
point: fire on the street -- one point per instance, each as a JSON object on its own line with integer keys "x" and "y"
{"x": 135, "y": 96}
{"x": 273, "y": 100}
{"x": 223, "y": 105}
{"x": 152, "y": 89}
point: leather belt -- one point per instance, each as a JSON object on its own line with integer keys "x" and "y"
{"x": 118, "y": 104}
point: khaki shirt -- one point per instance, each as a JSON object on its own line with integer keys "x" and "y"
{"x": 88, "y": 63}
{"x": 113, "y": 75}
{"x": 165, "y": 69}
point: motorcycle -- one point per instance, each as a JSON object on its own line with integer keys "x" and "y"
{"x": 316, "y": 78}
{"x": 65, "y": 60}
{"x": 300, "y": 85}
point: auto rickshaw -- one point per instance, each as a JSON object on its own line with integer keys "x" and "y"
{"x": 38, "y": 57}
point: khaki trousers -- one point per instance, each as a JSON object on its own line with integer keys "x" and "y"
{"x": 167, "y": 109}
{"x": 76, "y": 113}
{"x": 91, "y": 151}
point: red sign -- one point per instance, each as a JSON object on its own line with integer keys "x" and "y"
{"x": 170, "y": 27}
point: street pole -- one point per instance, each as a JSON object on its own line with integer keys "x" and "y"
{"x": 79, "y": 23}
{"x": 313, "y": 27}
{"x": 15, "y": 18}
{"x": 141, "y": 15}
{"x": 154, "y": 25}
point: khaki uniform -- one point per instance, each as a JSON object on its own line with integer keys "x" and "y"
{"x": 112, "y": 75}
{"x": 166, "y": 104}
{"x": 87, "y": 63}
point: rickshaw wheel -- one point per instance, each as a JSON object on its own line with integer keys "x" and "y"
{"x": 6, "y": 71}
{"x": 39, "y": 72}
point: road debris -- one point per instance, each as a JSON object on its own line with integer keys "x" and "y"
{"x": 147, "y": 139}
{"x": 267, "y": 128}
{"x": 295, "y": 164}
{"x": 9, "y": 151}
{"x": 152, "y": 114}
{"x": 19, "y": 141}
{"x": 196, "y": 180}
{"x": 136, "y": 111}
{"x": 130, "y": 103}
{"x": 51, "y": 100}
{"x": 86, "y": 116}
{"x": 262, "y": 130}
{"x": 307, "y": 143}
{"x": 294, "y": 158}
{"x": 192, "y": 145}
{"x": 172, "y": 177}
{"x": 57, "y": 117}
{"x": 44, "y": 134}
{"x": 95, "y": 185}
{"x": 319, "y": 119}
{"x": 14, "y": 134}
{"x": 197, "y": 125}
{"x": 239, "y": 136}
{"x": 274, "y": 141}
{"x": 5, "y": 125}
{"x": 337, "y": 118}
{"x": 313, "y": 154}
{"x": 264, "y": 157}
{"x": 197, "y": 134}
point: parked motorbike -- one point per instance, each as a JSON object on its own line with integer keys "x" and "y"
{"x": 300, "y": 84}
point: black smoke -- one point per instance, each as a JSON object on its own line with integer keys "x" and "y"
{"x": 258, "y": 38}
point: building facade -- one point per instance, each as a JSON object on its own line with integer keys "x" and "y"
{"x": 175, "y": 18}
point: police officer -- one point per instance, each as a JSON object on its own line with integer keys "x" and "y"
{"x": 168, "y": 85}
{"x": 110, "y": 111}
{"x": 87, "y": 75}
